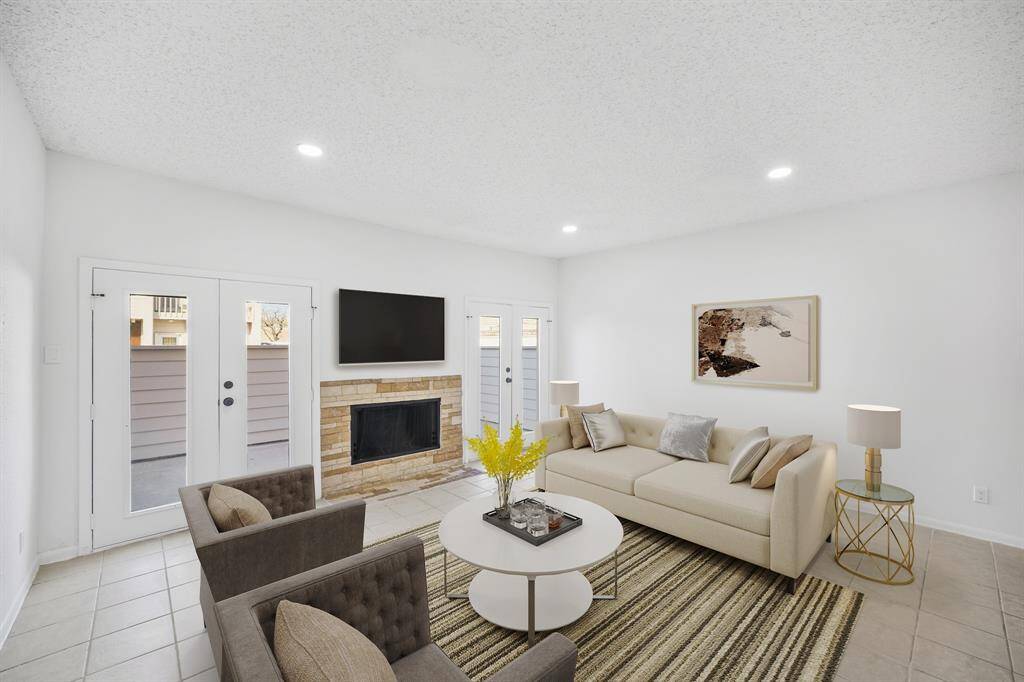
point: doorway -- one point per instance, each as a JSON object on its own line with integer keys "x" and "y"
{"x": 508, "y": 348}
{"x": 193, "y": 378}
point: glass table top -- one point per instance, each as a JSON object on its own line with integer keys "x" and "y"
{"x": 889, "y": 493}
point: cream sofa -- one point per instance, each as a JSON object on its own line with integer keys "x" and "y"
{"x": 780, "y": 528}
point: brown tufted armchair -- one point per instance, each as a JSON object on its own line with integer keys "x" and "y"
{"x": 299, "y": 538}
{"x": 381, "y": 592}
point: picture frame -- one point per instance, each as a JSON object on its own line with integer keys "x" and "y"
{"x": 762, "y": 343}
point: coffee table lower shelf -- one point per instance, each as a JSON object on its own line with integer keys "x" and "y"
{"x": 531, "y": 604}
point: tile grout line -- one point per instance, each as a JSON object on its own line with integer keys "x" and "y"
{"x": 95, "y": 610}
{"x": 1002, "y": 618}
{"x": 174, "y": 627}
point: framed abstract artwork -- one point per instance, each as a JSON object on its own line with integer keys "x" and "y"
{"x": 771, "y": 343}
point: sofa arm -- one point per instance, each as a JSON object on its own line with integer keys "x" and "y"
{"x": 241, "y": 560}
{"x": 559, "y": 438}
{"x": 552, "y": 660}
{"x": 802, "y": 515}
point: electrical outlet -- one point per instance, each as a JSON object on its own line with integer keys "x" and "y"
{"x": 980, "y": 495}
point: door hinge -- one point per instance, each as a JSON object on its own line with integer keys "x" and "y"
{"x": 313, "y": 309}
{"x": 92, "y": 299}
{"x": 92, "y": 412}
{"x": 92, "y": 521}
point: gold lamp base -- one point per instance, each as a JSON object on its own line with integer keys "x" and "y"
{"x": 873, "y": 469}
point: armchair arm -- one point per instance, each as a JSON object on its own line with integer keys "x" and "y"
{"x": 240, "y": 560}
{"x": 559, "y": 438}
{"x": 381, "y": 592}
{"x": 552, "y": 660}
{"x": 802, "y": 515}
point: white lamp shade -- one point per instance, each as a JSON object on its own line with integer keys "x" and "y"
{"x": 873, "y": 426}
{"x": 565, "y": 392}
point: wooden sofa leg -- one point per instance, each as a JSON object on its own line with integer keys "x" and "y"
{"x": 791, "y": 584}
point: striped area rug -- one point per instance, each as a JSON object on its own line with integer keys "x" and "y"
{"x": 684, "y": 612}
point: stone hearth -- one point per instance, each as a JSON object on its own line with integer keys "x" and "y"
{"x": 341, "y": 478}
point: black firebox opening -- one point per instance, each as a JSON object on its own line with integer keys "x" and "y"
{"x": 383, "y": 430}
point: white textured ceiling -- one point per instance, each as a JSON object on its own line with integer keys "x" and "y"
{"x": 499, "y": 122}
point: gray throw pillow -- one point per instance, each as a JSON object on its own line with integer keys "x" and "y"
{"x": 687, "y": 436}
{"x": 603, "y": 430}
{"x": 747, "y": 454}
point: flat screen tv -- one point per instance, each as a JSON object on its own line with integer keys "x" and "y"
{"x": 375, "y": 327}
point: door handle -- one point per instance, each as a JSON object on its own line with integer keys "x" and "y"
{"x": 508, "y": 380}
{"x": 229, "y": 384}
{"x": 229, "y": 401}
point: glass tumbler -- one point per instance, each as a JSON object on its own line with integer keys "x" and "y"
{"x": 518, "y": 515}
{"x": 537, "y": 521}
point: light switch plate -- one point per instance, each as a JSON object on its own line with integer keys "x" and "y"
{"x": 51, "y": 355}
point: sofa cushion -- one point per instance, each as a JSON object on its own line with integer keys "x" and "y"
{"x": 703, "y": 489}
{"x": 312, "y": 645}
{"x": 428, "y": 663}
{"x": 615, "y": 469}
{"x": 643, "y": 432}
{"x": 232, "y": 509}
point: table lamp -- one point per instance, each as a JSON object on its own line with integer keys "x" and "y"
{"x": 564, "y": 393}
{"x": 875, "y": 427}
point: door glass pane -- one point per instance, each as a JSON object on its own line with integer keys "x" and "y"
{"x": 266, "y": 341}
{"x": 490, "y": 391}
{"x": 158, "y": 339}
{"x": 531, "y": 327}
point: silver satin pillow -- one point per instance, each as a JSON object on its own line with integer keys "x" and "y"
{"x": 603, "y": 430}
{"x": 748, "y": 453}
{"x": 687, "y": 436}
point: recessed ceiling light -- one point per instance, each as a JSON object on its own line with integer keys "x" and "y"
{"x": 568, "y": 229}
{"x": 780, "y": 172}
{"x": 309, "y": 150}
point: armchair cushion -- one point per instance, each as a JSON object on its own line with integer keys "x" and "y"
{"x": 313, "y": 646}
{"x": 231, "y": 508}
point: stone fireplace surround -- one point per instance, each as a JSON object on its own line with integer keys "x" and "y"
{"x": 342, "y": 478}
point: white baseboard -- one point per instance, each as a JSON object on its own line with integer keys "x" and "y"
{"x": 60, "y": 554}
{"x": 12, "y": 613}
{"x": 971, "y": 531}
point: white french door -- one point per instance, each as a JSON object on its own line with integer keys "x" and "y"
{"x": 266, "y": 385}
{"x": 193, "y": 379}
{"x": 507, "y": 356}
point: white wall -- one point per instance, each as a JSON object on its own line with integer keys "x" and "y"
{"x": 104, "y": 211}
{"x": 22, "y": 181}
{"x": 922, "y": 307}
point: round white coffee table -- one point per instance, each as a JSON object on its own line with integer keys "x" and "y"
{"x": 526, "y": 587}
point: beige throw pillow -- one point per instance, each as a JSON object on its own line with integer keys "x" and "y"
{"x": 781, "y": 454}
{"x": 576, "y": 430}
{"x": 311, "y": 645}
{"x": 232, "y": 509}
{"x": 747, "y": 453}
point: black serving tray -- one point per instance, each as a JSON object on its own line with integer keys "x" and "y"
{"x": 569, "y": 521}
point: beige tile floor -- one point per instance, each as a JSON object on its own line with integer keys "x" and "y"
{"x": 132, "y": 613}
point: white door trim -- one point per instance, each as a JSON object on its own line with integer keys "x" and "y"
{"x": 86, "y": 265}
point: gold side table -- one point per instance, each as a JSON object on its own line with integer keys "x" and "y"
{"x": 886, "y": 523}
